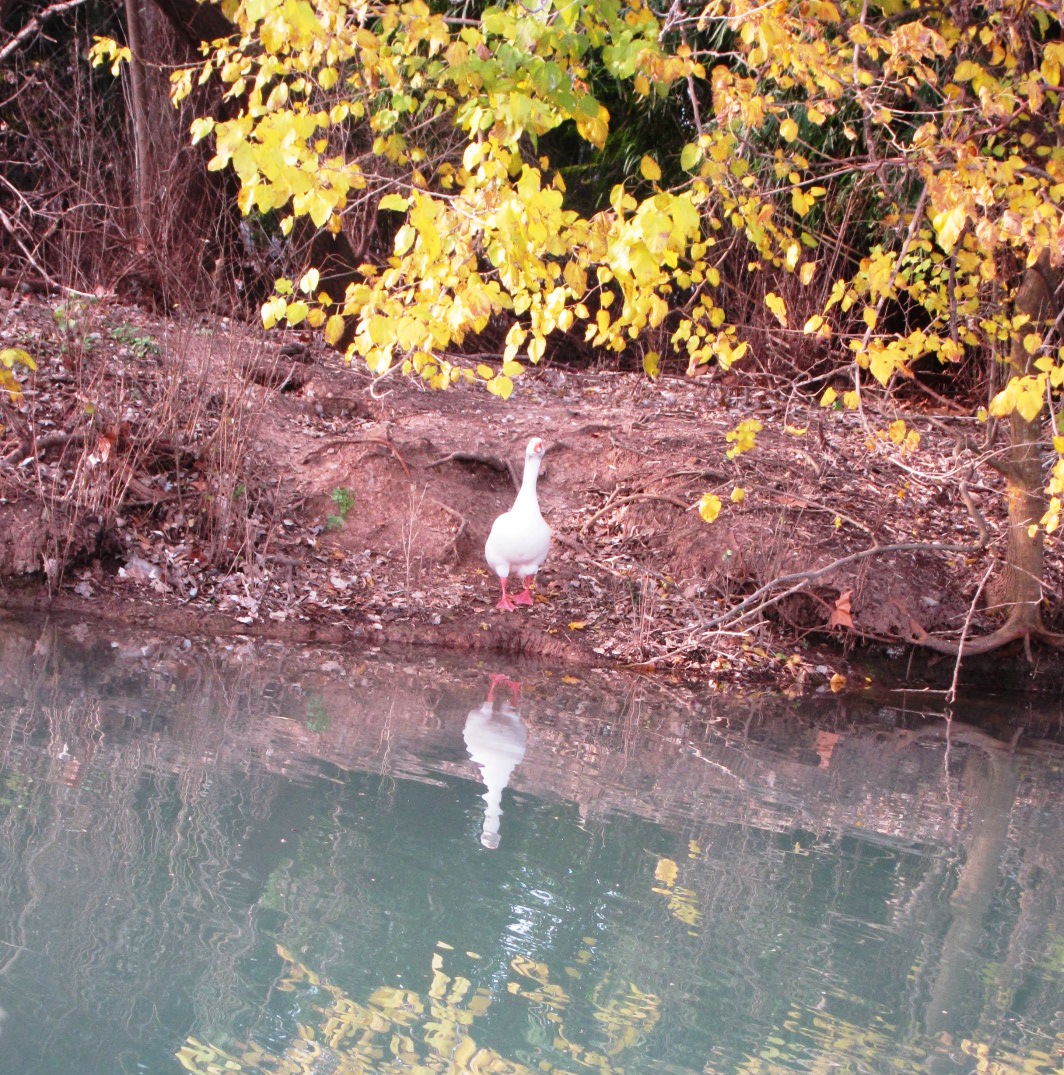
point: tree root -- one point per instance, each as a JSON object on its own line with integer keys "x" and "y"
{"x": 1016, "y": 628}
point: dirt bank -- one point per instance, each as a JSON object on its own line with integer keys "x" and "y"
{"x": 206, "y": 477}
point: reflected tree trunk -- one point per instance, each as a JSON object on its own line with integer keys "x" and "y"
{"x": 997, "y": 780}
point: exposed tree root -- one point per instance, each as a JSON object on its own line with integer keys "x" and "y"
{"x": 1014, "y": 629}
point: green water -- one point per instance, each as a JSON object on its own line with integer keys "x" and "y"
{"x": 248, "y": 860}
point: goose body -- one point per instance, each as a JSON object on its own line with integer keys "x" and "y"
{"x": 520, "y": 538}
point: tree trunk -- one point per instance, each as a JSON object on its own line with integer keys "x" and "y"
{"x": 144, "y": 180}
{"x": 1018, "y": 590}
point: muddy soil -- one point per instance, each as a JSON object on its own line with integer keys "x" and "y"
{"x": 206, "y": 477}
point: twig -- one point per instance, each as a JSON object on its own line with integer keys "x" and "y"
{"x": 319, "y": 452}
{"x": 611, "y": 504}
{"x": 492, "y": 461}
{"x": 951, "y": 694}
{"x": 35, "y": 24}
{"x": 463, "y": 523}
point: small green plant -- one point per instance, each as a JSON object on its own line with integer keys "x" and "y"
{"x": 70, "y": 318}
{"x": 344, "y": 500}
{"x": 140, "y": 343}
{"x": 72, "y": 321}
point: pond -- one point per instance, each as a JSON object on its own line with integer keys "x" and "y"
{"x": 242, "y": 858}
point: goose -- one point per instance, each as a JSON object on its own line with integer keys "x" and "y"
{"x": 520, "y": 538}
{"x": 495, "y": 737}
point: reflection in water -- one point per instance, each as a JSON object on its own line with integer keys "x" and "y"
{"x": 263, "y": 872}
{"x": 496, "y": 737}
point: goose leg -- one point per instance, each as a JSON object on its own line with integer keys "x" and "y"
{"x": 505, "y": 602}
{"x": 525, "y": 596}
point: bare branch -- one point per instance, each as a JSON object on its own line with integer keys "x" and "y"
{"x": 35, "y": 24}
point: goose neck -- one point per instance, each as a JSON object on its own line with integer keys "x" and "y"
{"x": 528, "y": 480}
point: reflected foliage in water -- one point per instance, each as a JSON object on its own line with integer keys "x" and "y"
{"x": 249, "y": 861}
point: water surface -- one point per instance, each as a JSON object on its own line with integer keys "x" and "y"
{"x": 239, "y": 858}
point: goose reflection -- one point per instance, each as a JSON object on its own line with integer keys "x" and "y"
{"x": 495, "y": 737}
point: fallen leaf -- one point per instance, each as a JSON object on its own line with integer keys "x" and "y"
{"x": 841, "y": 614}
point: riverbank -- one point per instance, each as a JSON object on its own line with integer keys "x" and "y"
{"x": 206, "y": 477}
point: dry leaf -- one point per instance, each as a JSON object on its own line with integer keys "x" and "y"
{"x": 841, "y": 614}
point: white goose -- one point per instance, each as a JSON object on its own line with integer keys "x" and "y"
{"x": 520, "y": 538}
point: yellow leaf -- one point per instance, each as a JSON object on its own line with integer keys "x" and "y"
{"x": 837, "y": 683}
{"x": 1032, "y": 342}
{"x": 829, "y": 397}
{"x": 652, "y": 364}
{"x": 807, "y": 272}
{"x": 396, "y": 202}
{"x": 9, "y": 384}
{"x": 948, "y": 226}
{"x": 334, "y": 330}
{"x": 577, "y": 625}
{"x": 897, "y": 431}
{"x": 486, "y": 372}
{"x": 200, "y": 128}
{"x": 738, "y": 495}
{"x": 501, "y": 385}
{"x": 404, "y": 240}
{"x": 666, "y": 872}
{"x": 273, "y": 310}
{"x": 12, "y": 356}
{"x": 709, "y": 507}
{"x": 789, "y": 130}
{"x": 649, "y": 169}
{"x": 778, "y": 307}
{"x": 796, "y": 431}
{"x": 814, "y": 324}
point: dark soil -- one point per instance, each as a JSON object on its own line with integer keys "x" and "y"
{"x": 208, "y": 478}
